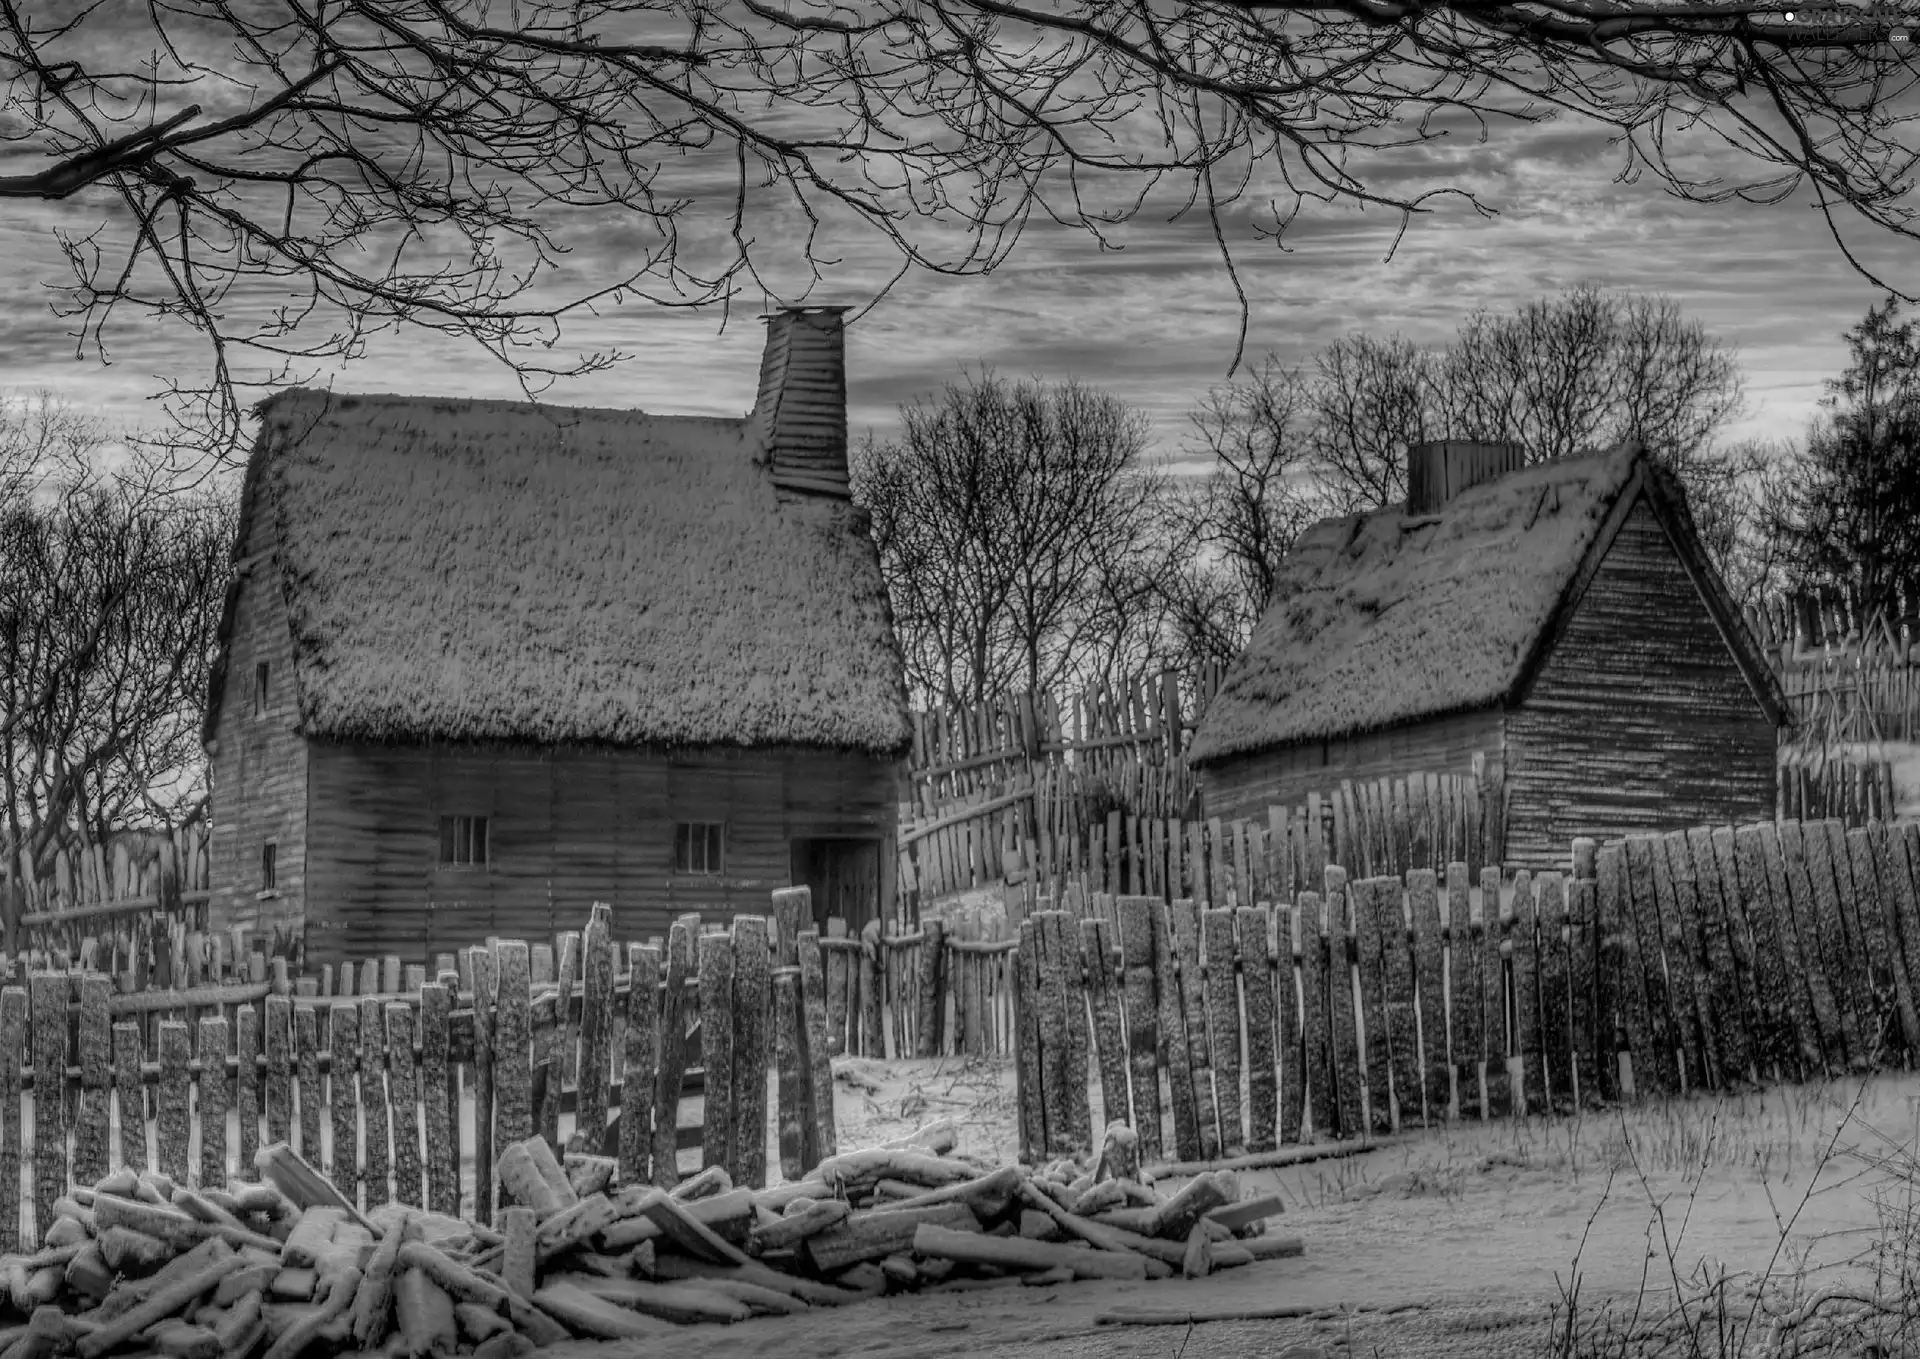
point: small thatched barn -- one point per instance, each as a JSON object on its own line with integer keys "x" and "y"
{"x": 1561, "y": 619}
{"x": 484, "y": 662}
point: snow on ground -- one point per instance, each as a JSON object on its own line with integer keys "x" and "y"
{"x": 1444, "y": 1242}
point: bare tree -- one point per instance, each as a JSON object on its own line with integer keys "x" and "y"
{"x": 1589, "y": 368}
{"x": 1016, "y": 526}
{"x": 111, "y": 583}
{"x": 1373, "y": 400}
{"x": 288, "y": 178}
{"x": 1259, "y": 496}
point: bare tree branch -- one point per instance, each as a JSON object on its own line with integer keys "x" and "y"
{"x": 287, "y": 179}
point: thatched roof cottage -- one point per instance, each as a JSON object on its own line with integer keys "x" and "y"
{"x": 1560, "y": 618}
{"x": 484, "y": 662}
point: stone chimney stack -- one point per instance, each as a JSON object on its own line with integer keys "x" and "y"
{"x": 800, "y": 413}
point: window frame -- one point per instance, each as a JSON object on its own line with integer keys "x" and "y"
{"x": 270, "y": 867}
{"x": 711, "y": 839}
{"x": 262, "y": 675}
{"x": 478, "y": 830}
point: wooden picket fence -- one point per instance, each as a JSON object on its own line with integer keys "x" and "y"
{"x": 1701, "y": 959}
{"x": 135, "y": 894}
{"x": 963, "y": 986}
{"x": 1853, "y": 789}
{"x": 1386, "y": 825}
{"x": 403, "y": 1088}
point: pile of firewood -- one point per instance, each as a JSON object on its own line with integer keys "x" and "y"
{"x": 139, "y": 1264}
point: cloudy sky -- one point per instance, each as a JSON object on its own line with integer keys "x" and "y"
{"x": 1155, "y": 321}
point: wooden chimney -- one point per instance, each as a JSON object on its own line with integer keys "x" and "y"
{"x": 801, "y": 410}
{"x": 1442, "y": 468}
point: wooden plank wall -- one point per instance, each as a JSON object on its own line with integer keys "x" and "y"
{"x": 1726, "y": 956}
{"x": 403, "y": 1081}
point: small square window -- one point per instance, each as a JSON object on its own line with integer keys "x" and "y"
{"x": 267, "y": 881}
{"x": 463, "y": 842}
{"x": 697, "y": 846}
{"x": 260, "y": 689}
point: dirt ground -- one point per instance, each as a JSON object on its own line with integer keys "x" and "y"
{"x": 1455, "y": 1241}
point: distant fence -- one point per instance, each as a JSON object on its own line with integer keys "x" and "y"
{"x": 1386, "y": 825}
{"x": 134, "y": 895}
{"x": 402, "y": 1088}
{"x": 1852, "y": 788}
{"x": 1700, "y": 959}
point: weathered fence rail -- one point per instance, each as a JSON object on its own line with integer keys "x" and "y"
{"x": 1699, "y": 959}
{"x": 403, "y": 1091}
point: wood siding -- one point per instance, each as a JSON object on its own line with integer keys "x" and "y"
{"x": 567, "y": 827}
{"x": 1246, "y": 785}
{"x": 259, "y": 771}
{"x": 1639, "y": 719}
{"x": 802, "y": 404}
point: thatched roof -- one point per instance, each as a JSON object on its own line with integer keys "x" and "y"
{"x": 1382, "y": 619}
{"x": 503, "y": 571}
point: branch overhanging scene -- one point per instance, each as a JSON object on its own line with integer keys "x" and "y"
{"x": 950, "y": 675}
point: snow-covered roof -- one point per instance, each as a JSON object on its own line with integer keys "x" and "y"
{"x": 1380, "y": 619}
{"x": 506, "y": 571}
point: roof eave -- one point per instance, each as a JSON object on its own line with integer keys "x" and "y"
{"x": 1199, "y": 764}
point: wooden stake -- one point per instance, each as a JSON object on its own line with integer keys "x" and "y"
{"x": 640, "y": 1070}
{"x": 752, "y": 959}
{"x": 673, "y": 1056}
{"x": 716, "y": 1047}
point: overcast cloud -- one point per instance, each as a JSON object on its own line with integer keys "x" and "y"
{"x": 1155, "y": 321}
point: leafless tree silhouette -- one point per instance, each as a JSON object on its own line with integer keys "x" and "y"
{"x": 289, "y": 177}
{"x": 1022, "y": 539}
{"x": 111, "y": 583}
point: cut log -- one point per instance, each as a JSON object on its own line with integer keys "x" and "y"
{"x": 1195, "y": 1263}
{"x": 1174, "y": 1218}
{"x": 459, "y": 1282}
{"x": 425, "y": 1314}
{"x": 1273, "y": 1247}
{"x": 164, "y": 1302}
{"x": 764, "y": 1301}
{"x": 1235, "y": 1216}
{"x": 1014, "y": 1253}
{"x": 506, "y": 1345}
{"x": 986, "y": 1192}
{"x": 478, "y": 1323}
{"x": 728, "y": 1216}
{"x": 338, "y": 1300}
{"x": 373, "y": 1305}
{"x": 596, "y": 1317}
{"x": 302, "y": 1248}
{"x": 517, "y": 1260}
{"x": 528, "y": 1172}
{"x": 306, "y": 1187}
{"x": 871, "y": 1236}
{"x": 689, "y": 1233}
{"x": 590, "y": 1174}
{"x": 709, "y": 1181}
{"x": 674, "y": 1302}
{"x": 1101, "y": 1235}
{"x": 571, "y": 1226}
{"x": 807, "y": 1290}
{"x": 133, "y": 1253}
{"x": 856, "y": 1170}
{"x": 790, "y": 1231}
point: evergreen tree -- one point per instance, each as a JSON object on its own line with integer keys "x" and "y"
{"x": 1848, "y": 512}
